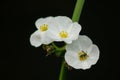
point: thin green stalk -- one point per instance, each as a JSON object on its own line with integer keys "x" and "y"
{"x": 63, "y": 71}
{"x": 54, "y": 46}
{"x": 77, "y": 10}
{"x": 58, "y": 48}
{"x": 75, "y": 18}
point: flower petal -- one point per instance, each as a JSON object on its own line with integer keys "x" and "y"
{"x": 38, "y": 38}
{"x": 73, "y": 47}
{"x": 63, "y": 20}
{"x": 41, "y": 21}
{"x": 46, "y": 39}
{"x": 94, "y": 53}
{"x": 53, "y": 31}
{"x": 71, "y": 58}
{"x": 68, "y": 41}
{"x": 35, "y": 39}
{"x": 83, "y": 65}
{"x": 74, "y": 31}
{"x": 84, "y": 42}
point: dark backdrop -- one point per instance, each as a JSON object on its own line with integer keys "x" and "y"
{"x": 20, "y": 60}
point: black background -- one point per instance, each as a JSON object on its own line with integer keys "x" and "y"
{"x": 20, "y": 60}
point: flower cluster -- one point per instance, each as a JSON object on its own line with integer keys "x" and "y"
{"x": 80, "y": 53}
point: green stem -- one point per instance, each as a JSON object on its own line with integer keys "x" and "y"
{"x": 58, "y": 48}
{"x": 77, "y": 10}
{"x": 54, "y": 46}
{"x": 63, "y": 71}
{"x": 75, "y": 18}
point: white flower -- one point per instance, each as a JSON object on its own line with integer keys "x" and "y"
{"x": 81, "y": 54}
{"x": 40, "y": 36}
{"x": 60, "y": 28}
{"x": 65, "y": 30}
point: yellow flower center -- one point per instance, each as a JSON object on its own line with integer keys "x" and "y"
{"x": 43, "y": 27}
{"x": 63, "y": 34}
{"x": 82, "y": 56}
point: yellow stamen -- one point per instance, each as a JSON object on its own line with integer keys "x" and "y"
{"x": 82, "y": 56}
{"x": 63, "y": 34}
{"x": 43, "y": 27}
